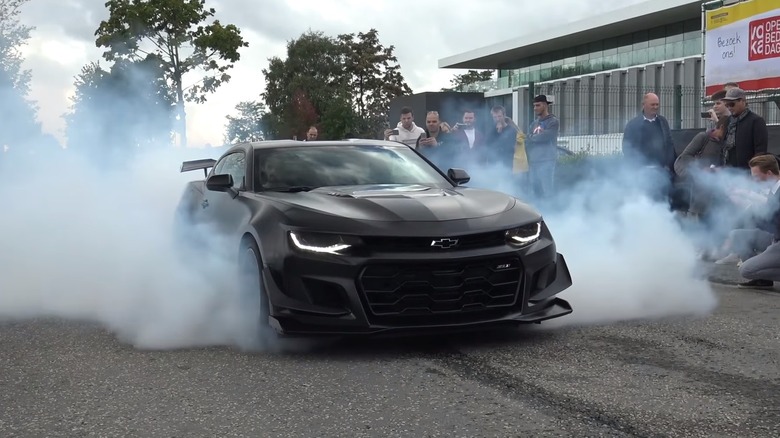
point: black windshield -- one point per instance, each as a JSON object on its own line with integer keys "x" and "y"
{"x": 317, "y": 166}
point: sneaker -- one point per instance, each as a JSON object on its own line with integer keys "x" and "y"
{"x": 758, "y": 284}
{"x": 730, "y": 259}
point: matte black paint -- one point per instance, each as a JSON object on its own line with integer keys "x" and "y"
{"x": 312, "y": 293}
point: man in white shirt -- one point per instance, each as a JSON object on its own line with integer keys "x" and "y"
{"x": 759, "y": 248}
{"x": 406, "y": 132}
{"x": 470, "y": 140}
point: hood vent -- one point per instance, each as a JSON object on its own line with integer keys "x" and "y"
{"x": 434, "y": 193}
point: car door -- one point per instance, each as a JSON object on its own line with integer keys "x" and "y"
{"x": 221, "y": 209}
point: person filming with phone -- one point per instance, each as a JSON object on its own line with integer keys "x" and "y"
{"x": 435, "y": 142}
{"x": 407, "y": 132}
{"x": 435, "y": 134}
{"x": 718, "y": 110}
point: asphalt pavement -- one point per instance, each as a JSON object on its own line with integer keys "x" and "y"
{"x": 713, "y": 376}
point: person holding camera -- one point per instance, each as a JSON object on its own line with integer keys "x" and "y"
{"x": 469, "y": 140}
{"x": 406, "y": 132}
{"x": 435, "y": 142}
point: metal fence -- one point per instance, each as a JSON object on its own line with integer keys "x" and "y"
{"x": 592, "y": 117}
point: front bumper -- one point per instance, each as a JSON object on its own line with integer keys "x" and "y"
{"x": 416, "y": 292}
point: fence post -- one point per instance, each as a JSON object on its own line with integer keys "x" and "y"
{"x": 678, "y": 107}
{"x": 530, "y": 108}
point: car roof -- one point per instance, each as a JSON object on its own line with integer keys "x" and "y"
{"x": 348, "y": 142}
{"x": 275, "y": 144}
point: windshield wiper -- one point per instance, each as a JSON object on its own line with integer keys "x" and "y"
{"x": 291, "y": 189}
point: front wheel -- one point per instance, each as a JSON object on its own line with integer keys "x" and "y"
{"x": 251, "y": 274}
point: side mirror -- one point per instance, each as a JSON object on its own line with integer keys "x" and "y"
{"x": 460, "y": 176}
{"x": 221, "y": 183}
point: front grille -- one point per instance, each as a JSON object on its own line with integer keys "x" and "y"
{"x": 441, "y": 288}
{"x": 423, "y": 244}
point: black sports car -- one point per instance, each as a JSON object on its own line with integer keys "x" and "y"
{"x": 366, "y": 236}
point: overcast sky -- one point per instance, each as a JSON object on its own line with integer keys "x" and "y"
{"x": 422, "y": 32}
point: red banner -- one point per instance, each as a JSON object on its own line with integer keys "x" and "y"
{"x": 764, "y": 40}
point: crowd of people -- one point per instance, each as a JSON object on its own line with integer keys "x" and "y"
{"x": 532, "y": 154}
{"x": 711, "y": 171}
{"x": 731, "y": 178}
{"x": 724, "y": 169}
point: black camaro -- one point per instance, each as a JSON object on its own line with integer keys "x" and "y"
{"x": 360, "y": 237}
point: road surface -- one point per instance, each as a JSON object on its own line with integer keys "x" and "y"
{"x": 716, "y": 376}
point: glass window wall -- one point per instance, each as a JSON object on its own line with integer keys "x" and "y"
{"x": 659, "y": 44}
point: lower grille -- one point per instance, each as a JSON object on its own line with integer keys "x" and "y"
{"x": 441, "y": 288}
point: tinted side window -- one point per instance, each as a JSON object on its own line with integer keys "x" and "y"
{"x": 235, "y": 165}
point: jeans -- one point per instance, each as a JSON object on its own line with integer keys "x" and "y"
{"x": 765, "y": 266}
{"x": 748, "y": 242}
{"x": 541, "y": 177}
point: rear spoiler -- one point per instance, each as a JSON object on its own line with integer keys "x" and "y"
{"x": 204, "y": 164}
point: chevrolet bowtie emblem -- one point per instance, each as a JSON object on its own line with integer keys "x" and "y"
{"x": 444, "y": 243}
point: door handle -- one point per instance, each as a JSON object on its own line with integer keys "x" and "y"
{"x": 205, "y": 203}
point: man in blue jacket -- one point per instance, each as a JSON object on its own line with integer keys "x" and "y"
{"x": 647, "y": 142}
{"x": 541, "y": 148}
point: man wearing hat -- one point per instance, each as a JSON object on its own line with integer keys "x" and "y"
{"x": 541, "y": 146}
{"x": 747, "y": 135}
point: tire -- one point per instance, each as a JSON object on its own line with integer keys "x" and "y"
{"x": 251, "y": 275}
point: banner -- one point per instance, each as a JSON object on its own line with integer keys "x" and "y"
{"x": 743, "y": 46}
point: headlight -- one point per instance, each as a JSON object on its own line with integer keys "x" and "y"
{"x": 524, "y": 235}
{"x": 321, "y": 242}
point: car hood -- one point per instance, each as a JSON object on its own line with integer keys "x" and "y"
{"x": 399, "y": 202}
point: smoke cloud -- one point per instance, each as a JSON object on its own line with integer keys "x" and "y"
{"x": 88, "y": 242}
{"x": 630, "y": 256}
{"x": 84, "y": 243}
{"x": 89, "y": 232}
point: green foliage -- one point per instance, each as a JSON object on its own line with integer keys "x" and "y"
{"x": 299, "y": 89}
{"x": 342, "y": 84}
{"x": 13, "y": 35}
{"x": 341, "y": 118}
{"x": 118, "y": 111}
{"x": 374, "y": 76}
{"x": 248, "y": 125}
{"x": 16, "y": 110}
{"x": 174, "y": 31}
{"x": 468, "y": 78}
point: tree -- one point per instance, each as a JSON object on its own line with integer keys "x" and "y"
{"x": 302, "y": 113}
{"x": 119, "y": 111}
{"x": 460, "y": 81}
{"x": 306, "y": 85}
{"x": 249, "y": 125}
{"x": 16, "y": 110}
{"x": 174, "y": 31}
{"x": 348, "y": 82}
{"x": 13, "y": 35}
{"x": 375, "y": 77}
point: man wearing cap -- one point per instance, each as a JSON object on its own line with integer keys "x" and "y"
{"x": 541, "y": 147}
{"x": 747, "y": 135}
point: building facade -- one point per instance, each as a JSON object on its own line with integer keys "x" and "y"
{"x": 597, "y": 70}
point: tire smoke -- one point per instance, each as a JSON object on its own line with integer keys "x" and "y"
{"x": 629, "y": 255}
{"x": 84, "y": 243}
